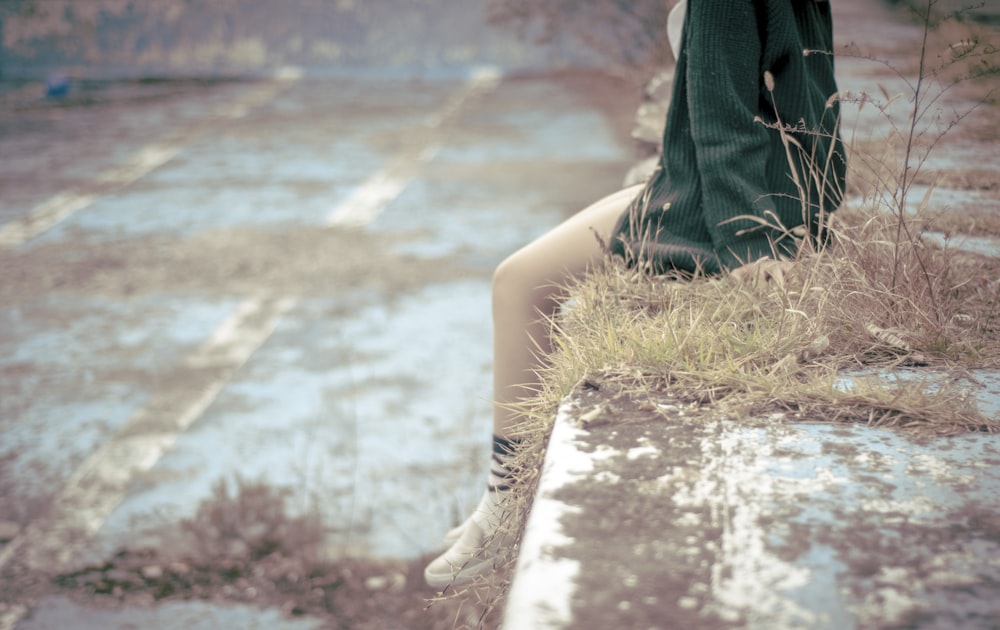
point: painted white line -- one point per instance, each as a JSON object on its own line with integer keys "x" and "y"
{"x": 231, "y": 344}
{"x": 101, "y": 483}
{"x": 283, "y": 78}
{"x": 43, "y": 217}
{"x": 368, "y": 200}
{"x": 64, "y": 204}
{"x": 13, "y": 614}
{"x": 145, "y": 161}
{"x": 481, "y": 80}
{"x": 61, "y": 206}
{"x": 249, "y": 100}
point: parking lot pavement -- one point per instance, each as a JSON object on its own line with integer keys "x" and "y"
{"x": 286, "y": 282}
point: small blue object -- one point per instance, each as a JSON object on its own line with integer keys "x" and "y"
{"x": 56, "y": 85}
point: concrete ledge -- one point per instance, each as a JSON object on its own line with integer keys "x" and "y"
{"x": 676, "y": 519}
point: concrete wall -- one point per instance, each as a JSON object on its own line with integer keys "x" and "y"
{"x": 224, "y": 37}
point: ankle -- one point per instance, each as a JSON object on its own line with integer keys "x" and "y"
{"x": 501, "y": 463}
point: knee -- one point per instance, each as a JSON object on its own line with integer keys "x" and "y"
{"x": 517, "y": 282}
{"x": 509, "y": 278}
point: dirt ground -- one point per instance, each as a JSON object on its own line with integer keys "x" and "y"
{"x": 242, "y": 548}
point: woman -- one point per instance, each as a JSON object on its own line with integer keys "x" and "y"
{"x": 751, "y": 163}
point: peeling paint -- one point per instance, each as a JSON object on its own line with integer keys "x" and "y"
{"x": 545, "y": 583}
{"x": 715, "y": 523}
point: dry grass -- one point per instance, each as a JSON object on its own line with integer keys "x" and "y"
{"x": 970, "y": 221}
{"x": 758, "y": 347}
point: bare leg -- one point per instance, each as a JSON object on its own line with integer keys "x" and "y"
{"x": 526, "y": 287}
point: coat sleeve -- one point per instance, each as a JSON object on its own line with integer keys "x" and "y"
{"x": 724, "y": 78}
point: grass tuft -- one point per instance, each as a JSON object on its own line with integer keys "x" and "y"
{"x": 766, "y": 347}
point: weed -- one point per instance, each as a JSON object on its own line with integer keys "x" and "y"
{"x": 251, "y": 521}
{"x": 927, "y": 119}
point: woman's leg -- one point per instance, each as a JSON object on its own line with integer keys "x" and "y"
{"x": 527, "y": 288}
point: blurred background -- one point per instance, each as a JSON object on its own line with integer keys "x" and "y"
{"x": 184, "y": 38}
{"x": 245, "y": 261}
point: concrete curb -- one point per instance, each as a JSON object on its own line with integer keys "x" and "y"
{"x": 541, "y": 596}
{"x": 713, "y": 523}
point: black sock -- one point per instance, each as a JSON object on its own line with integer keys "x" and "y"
{"x": 500, "y": 473}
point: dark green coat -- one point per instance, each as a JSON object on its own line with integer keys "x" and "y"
{"x": 723, "y": 154}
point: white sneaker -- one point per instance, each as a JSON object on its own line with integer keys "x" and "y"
{"x": 455, "y": 533}
{"x": 475, "y": 545}
{"x": 488, "y": 504}
{"x": 465, "y": 560}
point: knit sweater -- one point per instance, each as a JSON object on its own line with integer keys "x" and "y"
{"x": 725, "y": 191}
